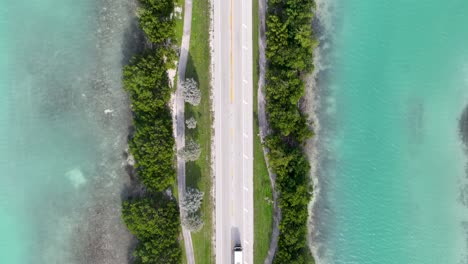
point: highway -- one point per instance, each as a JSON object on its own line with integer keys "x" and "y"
{"x": 233, "y": 94}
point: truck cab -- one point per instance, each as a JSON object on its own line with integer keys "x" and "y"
{"x": 238, "y": 254}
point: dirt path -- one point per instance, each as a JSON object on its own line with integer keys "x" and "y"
{"x": 180, "y": 121}
{"x": 264, "y": 129}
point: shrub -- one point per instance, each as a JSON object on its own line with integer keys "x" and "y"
{"x": 146, "y": 81}
{"x": 152, "y": 145}
{"x": 191, "y": 151}
{"x": 192, "y": 94}
{"x": 156, "y": 225}
{"x": 156, "y": 20}
{"x": 191, "y": 123}
{"x": 192, "y": 200}
{"x": 193, "y": 222}
{"x": 191, "y": 217}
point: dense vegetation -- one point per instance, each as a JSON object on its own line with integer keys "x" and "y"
{"x": 155, "y": 222}
{"x": 289, "y": 50}
{"x": 152, "y": 144}
{"x": 157, "y": 21}
{"x": 153, "y": 218}
{"x": 291, "y": 168}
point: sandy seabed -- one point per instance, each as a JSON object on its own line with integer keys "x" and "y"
{"x": 92, "y": 231}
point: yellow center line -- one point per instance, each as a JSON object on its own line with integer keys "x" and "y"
{"x": 230, "y": 61}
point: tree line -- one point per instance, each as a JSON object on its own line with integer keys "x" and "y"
{"x": 289, "y": 50}
{"x": 154, "y": 217}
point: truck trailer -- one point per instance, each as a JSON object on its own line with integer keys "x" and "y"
{"x": 238, "y": 254}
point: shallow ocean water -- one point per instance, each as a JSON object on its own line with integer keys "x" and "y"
{"x": 61, "y": 153}
{"x": 392, "y": 165}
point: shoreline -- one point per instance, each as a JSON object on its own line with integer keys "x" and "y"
{"x": 321, "y": 223}
{"x": 312, "y": 106}
{"x": 85, "y": 225}
{"x": 101, "y": 234}
{"x": 291, "y": 128}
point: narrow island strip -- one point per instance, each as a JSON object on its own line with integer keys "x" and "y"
{"x": 289, "y": 59}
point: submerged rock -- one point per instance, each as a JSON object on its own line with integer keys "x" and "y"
{"x": 464, "y": 126}
{"x": 76, "y": 177}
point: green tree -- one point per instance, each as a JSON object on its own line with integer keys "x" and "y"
{"x": 191, "y": 151}
{"x": 146, "y": 81}
{"x": 153, "y": 219}
{"x": 152, "y": 145}
{"x": 157, "y": 21}
{"x": 289, "y": 51}
{"x": 155, "y": 223}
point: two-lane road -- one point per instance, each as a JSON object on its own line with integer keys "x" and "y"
{"x": 233, "y": 128}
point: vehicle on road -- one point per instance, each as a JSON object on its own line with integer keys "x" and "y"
{"x": 237, "y": 254}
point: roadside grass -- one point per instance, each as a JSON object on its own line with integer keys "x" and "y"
{"x": 181, "y": 242}
{"x": 263, "y": 207}
{"x": 198, "y": 173}
{"x": 179, "y": 28}
{"x": 175, "y": 192}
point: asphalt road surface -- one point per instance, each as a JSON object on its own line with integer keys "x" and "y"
{"x": 233, "y": 128}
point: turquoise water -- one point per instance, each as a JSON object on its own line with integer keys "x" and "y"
{"x": 392, "y": 165}
{"x": 63, "y": 126}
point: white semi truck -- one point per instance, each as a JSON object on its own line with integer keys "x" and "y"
{"x": 238, "y": 254}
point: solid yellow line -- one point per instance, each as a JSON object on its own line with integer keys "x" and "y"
{"x": 230, "y": 61}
